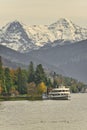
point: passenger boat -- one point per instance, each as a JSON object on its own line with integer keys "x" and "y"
{"x": 60, "y": 93}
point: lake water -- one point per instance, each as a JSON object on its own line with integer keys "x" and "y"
{"x": 45, "y": 115}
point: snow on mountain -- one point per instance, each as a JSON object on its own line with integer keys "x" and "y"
{"x": 65, "y": 29}
{"x": 40, "y": 34}
{"x": 25, "y": 38}
{"x": 14, "y": 36}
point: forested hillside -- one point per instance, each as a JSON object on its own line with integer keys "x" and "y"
{"x": 33, "y": 80}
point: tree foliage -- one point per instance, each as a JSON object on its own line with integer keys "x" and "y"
{"x": 31, "y": 88}
{"x": 33, "y": 81}
{"x": 42, "y": 88}
{"x": 40, "y": 75}
{"x": 1, "y": 73}
{"x": 8, "y": 80}
{"x": 31, "y": 75}
{"x": 21, "y": 81}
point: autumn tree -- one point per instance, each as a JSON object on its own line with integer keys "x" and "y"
{"x": 13, "y": 76}
{"x": 1, "y": 89}
{"x": 31, "y": 89}
{"x": 42, "y": 88}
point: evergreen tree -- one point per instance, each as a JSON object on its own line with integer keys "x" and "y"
{"x": 49, "y": 83}
{"x": 21, "y": 81}
{"x": 8, "y": 81}
{"x": 0, "y": 67}
{"x": 1, "y": 76}
{"x": 55, "y": 84}
{"x": 40, "y": 74}
{"x": 1, "y": 71}
{"x": 31, "y": 73}
{"x": 24, "y": 82}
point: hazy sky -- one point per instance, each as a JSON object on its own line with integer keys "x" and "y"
{"x": 43, "y": 11}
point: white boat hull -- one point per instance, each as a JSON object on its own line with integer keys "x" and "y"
{"x": 63, "y": 97}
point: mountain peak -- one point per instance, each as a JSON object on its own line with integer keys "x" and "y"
{"x": 20, "y": 37}
{"x": 15, "y": 21}
{"x": 13, "y": 25}
{"x": 63, "y": 22}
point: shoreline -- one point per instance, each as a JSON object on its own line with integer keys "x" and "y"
{"x": 18, "y": 98}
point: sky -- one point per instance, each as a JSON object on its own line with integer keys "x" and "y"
{"x": 43, "y": 12}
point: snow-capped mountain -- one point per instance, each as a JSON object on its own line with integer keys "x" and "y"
{"x": 67, "y": 30}
{"x": 24, "y": 38}
{"x": 14, "y": 36}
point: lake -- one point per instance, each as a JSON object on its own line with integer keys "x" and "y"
{"x": 45, "y": 115}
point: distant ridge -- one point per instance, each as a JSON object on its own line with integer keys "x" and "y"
{"x": 68, "y": 60}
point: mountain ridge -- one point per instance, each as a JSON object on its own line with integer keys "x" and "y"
{"x": 68, "y": 60}
{"x": 22, "y": 38}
